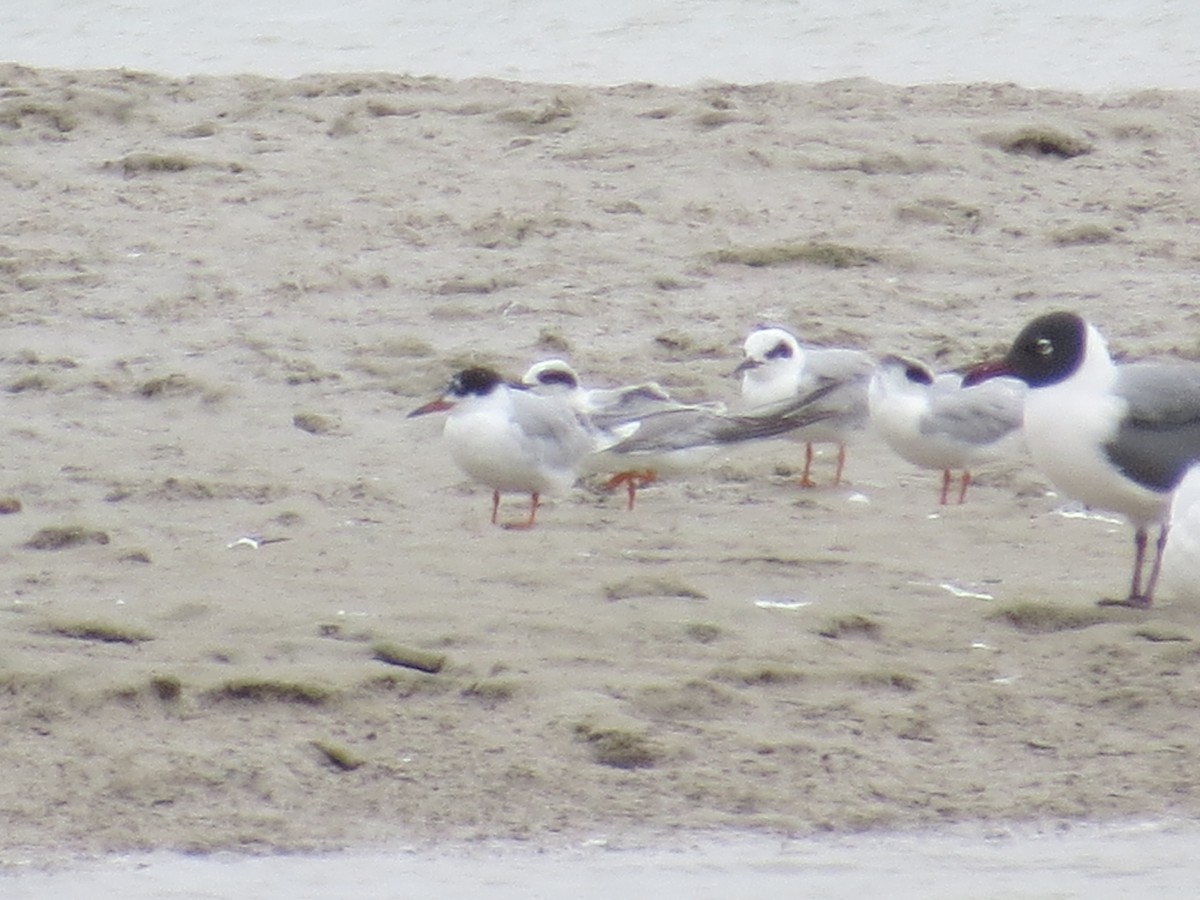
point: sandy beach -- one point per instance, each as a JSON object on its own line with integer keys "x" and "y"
{"x": 224, "y": 540}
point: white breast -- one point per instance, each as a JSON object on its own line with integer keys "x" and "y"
{"x": 1066, "y": 428}
{"x": 490, "y": 446}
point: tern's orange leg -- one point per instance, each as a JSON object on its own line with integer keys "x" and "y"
{"x": 841, "y": 464}
{"x": 962, "y": 491}
{"x": 632, "y": 481}
{"x": 534, "y": 502}
{"x": 806, "y": 479}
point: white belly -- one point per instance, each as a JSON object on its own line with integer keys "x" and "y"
{"x": 491, "y": 451}
{"x": 1066, "y": 432}
{"x": 898, "y": 423}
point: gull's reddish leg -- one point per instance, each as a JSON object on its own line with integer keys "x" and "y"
{"x": 1139, "y": 546}
{"x": 945, "y": 486}
{"x": 495, "y": 505}
{"x": 841, "y": 464}
{"x": 1136, "y": 598}
{"x": 1161, "y": 545}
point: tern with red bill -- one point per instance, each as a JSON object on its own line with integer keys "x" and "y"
{"x": 510, "y": 439}
{"x": 1117, "y": 437}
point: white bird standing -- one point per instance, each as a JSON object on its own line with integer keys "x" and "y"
{"x": 932, "y": 421}
{"x": 1115, "y": 437}
{"x": 509, "y": 438}
{"x": 776, "y": 369}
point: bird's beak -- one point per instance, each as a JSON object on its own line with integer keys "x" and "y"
{"x": 745, "y": 366}
{"x": 985, "y": 370}
{"x": 441, "y": 404}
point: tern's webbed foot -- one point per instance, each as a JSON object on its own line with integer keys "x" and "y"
{"x": 523, "y": 525}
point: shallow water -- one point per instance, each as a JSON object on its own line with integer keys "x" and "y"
{"x": 1133, "y": 860}
{"x": 1076, "y": 44}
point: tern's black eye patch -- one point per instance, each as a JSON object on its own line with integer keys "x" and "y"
{"x": 476, "y": 380}
{"x": 918, "y": 375}
{"x": 782, "y": 350}
{"x": 557, "y": 376}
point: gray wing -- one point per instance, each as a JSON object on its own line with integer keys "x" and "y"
{"x": 671, "y": 429}
{"x": 852, "y": 368}
{"x": 1159, "y": 438}
{"x": 838, "y": 364}
{"x": 559, "y": 436}
{"x": 621, "y": 405}
{"x": 978, "y": 415}
{"x": 847, "y": 373}
{"x": 613, "y": 399}
{"x": 696, "y": 426}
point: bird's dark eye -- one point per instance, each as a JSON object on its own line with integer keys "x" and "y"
{"x": 556, "y": 376}
{"x": 779, "y": 351}
{"x": 1044, "y": 346}
{"x": 917, "y": 375}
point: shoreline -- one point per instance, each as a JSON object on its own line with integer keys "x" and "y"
{"x": 1071, "y": 46}
{"x": 1099, "y": 860}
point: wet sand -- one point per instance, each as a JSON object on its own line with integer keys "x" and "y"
{"x": 222, "y": 295}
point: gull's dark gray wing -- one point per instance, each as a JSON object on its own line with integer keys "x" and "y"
{"x": 1159, "y": 437}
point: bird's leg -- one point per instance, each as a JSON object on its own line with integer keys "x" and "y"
{"x": 1139, "y": 557}
{"x": 1159, "y": 546}
{"x": 637, "y": 481}
{"x": 495, "y": 505}
{"x": 632, "y": 481}
{"x": 945, "y": 486}
{"x": 1139, "y": 543}
{"x": 841, "y": 464}
{"x": 962, "y": 491}
{"x": 1136, "y": 598}
{"x": 806, "y": 479}
{"x": 629, "y": 479}
{"x": 528, "y": 523}
{"x": 631, "y": 486}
